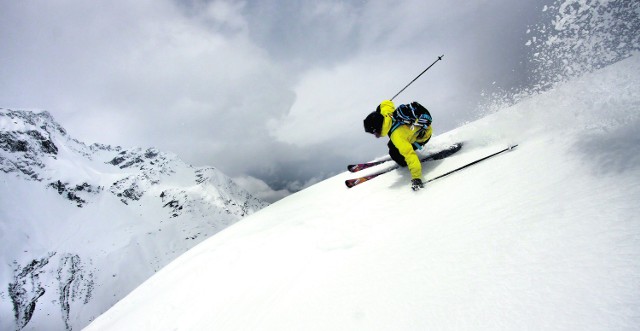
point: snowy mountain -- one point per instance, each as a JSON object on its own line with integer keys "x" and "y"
{"x": 81, "y": 226}
{"x": 544, "y": 237}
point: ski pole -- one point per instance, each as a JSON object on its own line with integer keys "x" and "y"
{"x": 425, "y": 70}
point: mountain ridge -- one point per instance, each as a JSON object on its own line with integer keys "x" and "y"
{"x": 75, "y": 217}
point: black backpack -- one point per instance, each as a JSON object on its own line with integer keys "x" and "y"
{"x": 413, "y": 114}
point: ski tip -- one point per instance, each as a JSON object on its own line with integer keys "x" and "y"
{"x": 358, "y": 167}
{"x": 355, "y": 181}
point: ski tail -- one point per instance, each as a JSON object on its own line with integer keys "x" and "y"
{"x": 439, "y": 155}
{"x": 362, "y": 166}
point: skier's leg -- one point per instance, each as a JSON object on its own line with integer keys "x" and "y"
{"x": 395, "y": 154}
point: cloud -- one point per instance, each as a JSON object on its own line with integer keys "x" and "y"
{"x": 260, "y": 189}
{"x": 158, "y": 77}
{"x": 268, "y": 89}
{"x": 336, "y": 100}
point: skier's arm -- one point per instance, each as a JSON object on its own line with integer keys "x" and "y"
{"x": 386, "y": 107}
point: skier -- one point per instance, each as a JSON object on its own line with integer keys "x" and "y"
{"x": 404, "y": 138}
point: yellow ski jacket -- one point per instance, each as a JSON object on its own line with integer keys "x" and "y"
{"x": 404, "y": 138}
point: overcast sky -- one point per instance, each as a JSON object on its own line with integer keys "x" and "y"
{"x": 271, "y": 92}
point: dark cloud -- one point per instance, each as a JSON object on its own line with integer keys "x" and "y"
{"x": 271, "y": 89}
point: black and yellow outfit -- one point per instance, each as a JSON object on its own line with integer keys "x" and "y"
{"x": 404, "y": 140}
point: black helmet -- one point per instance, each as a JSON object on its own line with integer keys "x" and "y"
{"x": 373, "y": 122}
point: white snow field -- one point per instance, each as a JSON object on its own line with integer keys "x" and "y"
{"x": 544, "y": 237}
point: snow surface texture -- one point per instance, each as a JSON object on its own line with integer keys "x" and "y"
{"x": 81, "y": 226}
{"x": 544, "y": 237}
{"x": 577, "y": 37}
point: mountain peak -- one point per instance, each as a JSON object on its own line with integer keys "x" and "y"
{"x": 24, "y": 120}
{"x": 69, "y": 210}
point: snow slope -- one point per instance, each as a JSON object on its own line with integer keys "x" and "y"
{"x": 545, "y": 237}
{"x": 81, "y": 226}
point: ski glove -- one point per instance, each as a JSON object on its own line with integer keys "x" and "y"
{"x": 416, "y": 184}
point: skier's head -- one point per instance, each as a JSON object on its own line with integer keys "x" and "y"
{"x": 373, "y": 123}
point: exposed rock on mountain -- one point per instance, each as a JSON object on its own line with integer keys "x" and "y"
{"x": 81, "y": 226}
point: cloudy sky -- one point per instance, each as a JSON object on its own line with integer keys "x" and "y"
{"x": 271, "y": 92}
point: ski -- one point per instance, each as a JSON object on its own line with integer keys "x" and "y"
{"x": 435, "y": 156}
{"x": 361, "y": 166}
